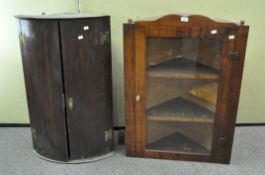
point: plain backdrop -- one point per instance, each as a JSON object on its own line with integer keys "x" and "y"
{"x": 13, "y": 104}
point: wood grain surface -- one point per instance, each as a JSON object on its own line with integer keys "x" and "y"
{"x": 207, "y": 43}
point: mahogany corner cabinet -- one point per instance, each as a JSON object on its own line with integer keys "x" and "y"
{"x": 67, "y": 68}
{"x": 182, "y": 84}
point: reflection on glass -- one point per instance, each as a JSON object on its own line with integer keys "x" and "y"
{"x": 182, "y": 84}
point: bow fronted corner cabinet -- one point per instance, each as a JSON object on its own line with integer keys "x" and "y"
{"x": 182, "y": 84}
{"x": 67, "y": 68}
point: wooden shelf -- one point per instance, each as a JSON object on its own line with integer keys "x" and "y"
{"x": 180, "y": 110}
{"x": 206, "y": 93}
{"x": 177, "y": 142}
{"x": 182, "y": 68}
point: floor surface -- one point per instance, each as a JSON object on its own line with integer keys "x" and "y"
{"x": 16, "y": 158}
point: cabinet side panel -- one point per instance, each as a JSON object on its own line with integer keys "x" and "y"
{"x": 235, "y": 86}
{"x": 42, "y": 70}
{"x": 228, "y": 97}
{"x": 88, "y": 86}
{"x": 129, "y": 72}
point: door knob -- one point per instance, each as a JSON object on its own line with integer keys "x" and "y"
{"x": 138, "y": 98}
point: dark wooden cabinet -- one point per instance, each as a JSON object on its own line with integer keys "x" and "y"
{"x": 182, "y": 85}
{"x": 67, "y": 68}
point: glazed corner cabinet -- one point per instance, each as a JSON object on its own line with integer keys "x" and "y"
{"x": 67, "y": 67}
{"x": 182, "y": 84}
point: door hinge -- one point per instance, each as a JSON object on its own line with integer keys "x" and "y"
{"x": 21, "y": 39}
{"x": 233, "y": 55}
{"x": 108, "y": 135}
{"x": 222, "y": 140}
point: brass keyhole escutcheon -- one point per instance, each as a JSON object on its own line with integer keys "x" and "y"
{"x": 70, "y": 103}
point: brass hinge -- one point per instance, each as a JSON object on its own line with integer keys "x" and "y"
{"x": 103, "y": 38}
{"x": 233, "y": 55}
{"x": 21, "y": 39}
{"x": 108, "y": 135}
{"x": 222, "y": 140}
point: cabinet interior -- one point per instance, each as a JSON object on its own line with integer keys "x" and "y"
{"x": 182, "y": 76}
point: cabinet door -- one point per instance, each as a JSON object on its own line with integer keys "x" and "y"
{"x": 87, "y": 78}
{"x": 180, "y": 90}
{"x": 42, "y": 69}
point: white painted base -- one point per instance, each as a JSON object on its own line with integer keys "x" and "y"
{"x": 93, "y": 159}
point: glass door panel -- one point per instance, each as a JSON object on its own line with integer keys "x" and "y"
{"x": 182, "y": 85}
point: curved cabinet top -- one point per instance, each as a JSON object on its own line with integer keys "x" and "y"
{"x": 60, "y": 16}
{"x": 185, "y": 25}
{"x": 191, "y": 19}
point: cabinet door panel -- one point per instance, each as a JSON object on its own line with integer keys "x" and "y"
{"x": 43, "y": 79}
{"x": 181, "y": 94}
{"x": 186, "y": 86}
{"x": 87, "y": 79}
{"x": 178, "y": 87}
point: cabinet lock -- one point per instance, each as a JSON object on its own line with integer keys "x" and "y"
{"x": 70, "y": 103}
